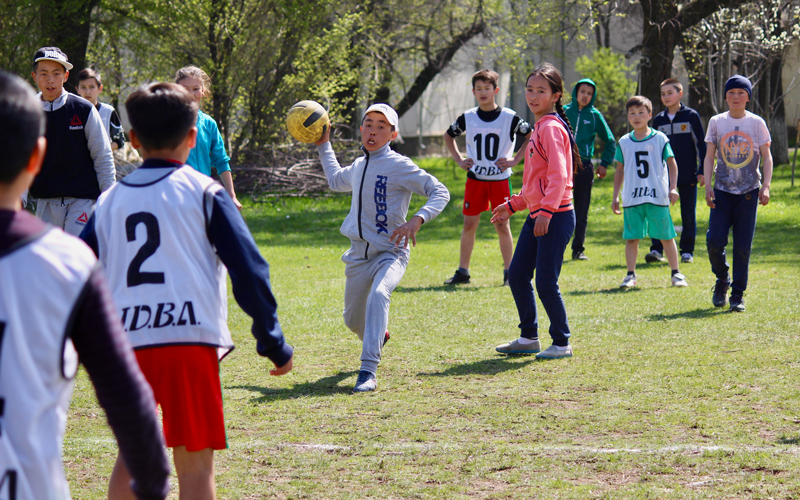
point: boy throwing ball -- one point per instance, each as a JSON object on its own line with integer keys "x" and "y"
{"x": 382, "y": 182}
{"x": 642, "y": 160}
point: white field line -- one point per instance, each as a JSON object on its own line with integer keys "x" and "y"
{"x": 536, "y": 449}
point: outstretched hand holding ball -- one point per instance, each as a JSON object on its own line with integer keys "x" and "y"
{"x": 307, "y": 121}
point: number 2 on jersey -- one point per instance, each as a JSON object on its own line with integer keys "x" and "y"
{"x": 136, "y": 276}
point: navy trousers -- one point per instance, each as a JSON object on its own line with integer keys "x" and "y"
{"x": 544, "y": 255}
{"x": 737, "y": 211}
{"x": 688, "y": 202}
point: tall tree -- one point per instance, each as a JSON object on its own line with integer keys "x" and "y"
{"x": 665, "y": 21}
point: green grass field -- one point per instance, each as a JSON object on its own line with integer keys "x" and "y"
{"x": 666, "y": 397}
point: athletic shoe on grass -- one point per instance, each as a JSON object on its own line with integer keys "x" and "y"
{"x": 366, "y": 382}
{"x": 719, "y": 297}
{"x": 653, "y": 257}
{"x": 458, "y": 278}
{"x": 579, "y": 256}
{"x": 679, "y": 280}
{"x": 687, "y": 258}
{"x": 385, "y": 339}
{"x": 555, "y": 352}
{"x": 737, "y": 303}
{"x": 629, "y": 281}
{"x": 514, "y": 347}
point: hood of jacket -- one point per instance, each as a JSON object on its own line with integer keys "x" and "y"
{"x": 575, "y": 91}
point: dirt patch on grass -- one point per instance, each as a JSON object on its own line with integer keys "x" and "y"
{"x": 485, "y": 488}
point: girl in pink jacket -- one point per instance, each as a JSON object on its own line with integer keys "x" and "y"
{"x": 550, "y": 163}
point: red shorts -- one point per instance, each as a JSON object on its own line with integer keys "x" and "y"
{"x": 185, "y": 382}
{"x": 479, "y": 194}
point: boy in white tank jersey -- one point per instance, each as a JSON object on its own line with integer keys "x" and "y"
{"x": 166, "y": 235}
{"x": 645, "y": 162}
{"x": 490, "y": 134}
{"x": 41, "y": 340}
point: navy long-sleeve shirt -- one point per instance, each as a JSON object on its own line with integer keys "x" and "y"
{"x": 687, "y": 139}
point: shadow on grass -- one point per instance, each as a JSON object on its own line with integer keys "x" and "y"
{"x": 789, "y": 440}
{"x": 697, "y": 313}
{"x": 483, "y": 367}
{"x": 440, "y": 288}
{"x": 609, "y": 291}
{"x": 326, "y": 386}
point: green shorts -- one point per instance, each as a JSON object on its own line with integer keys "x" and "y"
{"x": 647, "y": 221}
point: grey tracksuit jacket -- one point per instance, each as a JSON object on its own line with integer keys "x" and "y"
{"x": 382, "y": 183}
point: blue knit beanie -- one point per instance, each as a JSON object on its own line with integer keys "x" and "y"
{"x": 739, "y": 82}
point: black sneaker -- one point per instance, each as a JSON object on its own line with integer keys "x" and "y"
{"x": 458, "y": 278}
{"x": 737, "y": 303}
{"x": 579, "y": 256}
{"x": 385, "y": 339}
{"x": 720, "y": 293}
{"x": 366, "y": 382}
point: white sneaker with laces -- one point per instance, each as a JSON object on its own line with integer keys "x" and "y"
{"x": 679, "y": 280}
{"x": 555, "y": 352}
{"x": 629, "y": 281}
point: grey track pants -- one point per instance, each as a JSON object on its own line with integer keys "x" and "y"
{"x": 70, "y": 214}
{"x": 367, "y": 295}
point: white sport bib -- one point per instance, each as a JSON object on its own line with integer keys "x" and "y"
{"x": 487, "y": 142}
{"x": 646, "y": 174}
{"x": 106, "y": 111}
{"x": 166, "y": 279}
{"x": 38, "y": 362}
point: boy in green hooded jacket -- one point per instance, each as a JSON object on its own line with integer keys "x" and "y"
{"x": 587, "y": 124}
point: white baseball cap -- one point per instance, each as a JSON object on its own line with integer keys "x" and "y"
{"x": 385, "y": 110}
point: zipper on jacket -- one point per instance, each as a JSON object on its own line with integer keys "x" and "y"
{"x": 361, "y": 192}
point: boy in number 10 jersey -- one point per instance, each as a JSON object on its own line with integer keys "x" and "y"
{"x": 166, "y": 234}
{"x": 490, "y": 132}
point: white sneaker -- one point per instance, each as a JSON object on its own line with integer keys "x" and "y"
{"x": 629, "y": 281}
{"x": 687, "y": 258}
{"x": 515, "y": 347}
{"x": 555, "y": 352}
{"x": 654, "y": 256}
{"x": 679, "y": 280}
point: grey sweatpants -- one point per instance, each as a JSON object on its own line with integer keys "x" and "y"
{"x": 367, "y": 295}
{"x": 70, "y": 214}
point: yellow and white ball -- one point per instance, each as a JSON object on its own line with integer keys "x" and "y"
{"x": 307, "y": 121}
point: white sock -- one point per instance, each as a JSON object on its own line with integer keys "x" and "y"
{"x": 527, "y": 341}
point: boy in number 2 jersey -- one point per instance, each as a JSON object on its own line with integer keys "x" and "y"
{"x": 166, "y": 234}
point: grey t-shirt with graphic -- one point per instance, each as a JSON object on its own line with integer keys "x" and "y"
{"x": 738, "y": 156}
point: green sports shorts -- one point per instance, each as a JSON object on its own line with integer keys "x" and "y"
{"x": 647, "y": 221}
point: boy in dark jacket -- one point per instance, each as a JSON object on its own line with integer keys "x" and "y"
{"x": 587, "y": 123}
{"x": 685, "y": 131}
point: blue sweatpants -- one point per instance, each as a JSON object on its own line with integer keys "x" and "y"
{"x": 737, "y": 211}
{"x": 544, "y": 255}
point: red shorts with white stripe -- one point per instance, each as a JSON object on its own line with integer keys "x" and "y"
{"x": 185, "y": 383}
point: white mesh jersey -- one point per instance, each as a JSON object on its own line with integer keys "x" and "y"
{"x": 106, "y": 110}
{"x": 38, "y": 361}
{"x": 167, "y": 281}
{"x": 487, "y": 142}
{"x": 646, "y": 173}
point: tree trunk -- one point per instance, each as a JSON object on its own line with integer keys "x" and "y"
{"x": 664, "y": 25}
{"x": 66, "y": 24}
{"x": 777, "y": 122}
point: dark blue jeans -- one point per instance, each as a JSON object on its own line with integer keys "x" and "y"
{"x": 688, "y": 201}
{"x": 737, "y": 211}
{"x": 544, "y": 255}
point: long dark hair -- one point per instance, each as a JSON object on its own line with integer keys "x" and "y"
{"x": 554, "y": 78}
